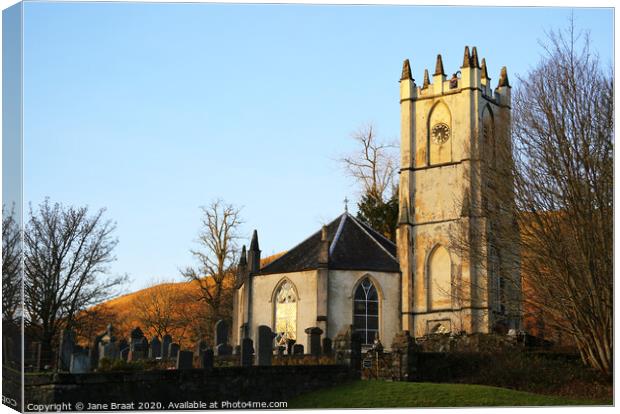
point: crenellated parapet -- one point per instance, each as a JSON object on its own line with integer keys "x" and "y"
{"x": 471, "y": 75}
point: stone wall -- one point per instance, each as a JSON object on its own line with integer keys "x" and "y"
{"x": 269, "y": 383}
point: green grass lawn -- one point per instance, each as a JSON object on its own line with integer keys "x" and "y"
{"x": 368, "y": 394}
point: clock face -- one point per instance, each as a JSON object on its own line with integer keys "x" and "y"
{"x": 440, "y": 133}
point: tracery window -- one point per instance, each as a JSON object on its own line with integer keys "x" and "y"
{"x": 286, "y": 313}
{"x": 366, "y": 311}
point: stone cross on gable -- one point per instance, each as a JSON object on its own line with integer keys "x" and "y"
{"x": 346, "y": 204}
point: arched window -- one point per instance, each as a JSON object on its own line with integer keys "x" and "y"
{"x": 286, "y": 313}
{"x": 366, "y": 311}
{"x": 439, "y": 279}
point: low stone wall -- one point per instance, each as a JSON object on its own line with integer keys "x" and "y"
{"x": 161, "y": 388}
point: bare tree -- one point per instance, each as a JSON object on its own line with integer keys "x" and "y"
{"x": 92, "y": 321}
{"x": 560, "y": 176}
{"x": 217, "y": 257}
{"x": 373, "y": 165}
{"x": 163, "y": 308}
{"x": 11, "y": 267}
{"x": 564, "y": 181}
{"x": 66, "y": 256}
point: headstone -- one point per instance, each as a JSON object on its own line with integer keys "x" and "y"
{"x": 237, "y": 350}
{"x": 327, "y": 346}
{"x": 155, "y": 348}
{"x": 206, "y": 360}
{"x": 125, "y": 354}
{"x": 94, "y": 351}
{"x": 166, "y": 340}
{"x": 137, "y": 345}
{"x": 314, "y": 339}
{"x": 265, "y": 345}
{"x": 298, "y": 349}
{"x": 145, "y": 346}
{"x": 247, "y": 350}
{"x": 185, "y": 359}
{"x": 221, "y": 332}
{"x": 80, "y": 363}
{"x": 201, "y": 346}
{"x": 67, "y": 343}
{"x": 108, "y": 348}
{"x": 174, "y": 350}
{"x": 223, "y": 350}
{"x": 122, "y": 344}
{"x": 289, "y": 346}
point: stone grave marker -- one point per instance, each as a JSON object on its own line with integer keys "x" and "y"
{"x": 314, "y": 339}
{"x": 174, "y": 350}
{"x": 265, "y": 345}
{"x": 206, "y": 359}
{"x": 298, "y": 349}
{"x": 247, "y": 350}
{"x": 80, "y": 362}
{"x": 185, "y": 360}
{"x": 155, "y": 348}
{"x": 166, "y": 340}
{"x": 327, "y": 346}
{"x": 65, "y": 349}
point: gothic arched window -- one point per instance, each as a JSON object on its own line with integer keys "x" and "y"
{"x": 285, "y": 313}
{"x": 366, "y": 311}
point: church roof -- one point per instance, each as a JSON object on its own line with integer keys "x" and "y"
{"x": 353, "y": 245}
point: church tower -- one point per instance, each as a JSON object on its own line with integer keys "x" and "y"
{"x": 452, "y": 133}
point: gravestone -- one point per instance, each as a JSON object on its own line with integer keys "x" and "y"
{"x": 222, "y": 348}
{"x": 137, "y": 345}
{"x": 94, "y": 351}
{"x": 314, "y": 339}
{"x": 145, "y": 346}
{"x": 221, "y": 332}
{"x": 185, "y": 359}
{"x": 206, "y": 359}
{"x": 65, "y": 349}
{"x": 265, "y": 345}
{"x": 327, "y": 346}
{"x": 298, "y": 349}
{"x": 155, "y": 348}
{"x": 237, "y": 350}
{"x": 247, "y": 350}
{"x": 122, "y": 344}
{"x": 280, "y": 350}
{"x": 125, "y": 354}
{"x": 80, "y": 362}
{"x": 201, "y": 346}
{"x": 108, "y": 348}
{"x": 174, "y": 350}
{"x": 166, "y": 340}
{"x": 289, "y": 346}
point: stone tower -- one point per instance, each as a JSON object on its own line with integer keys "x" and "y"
{"x": 451, "y": 134}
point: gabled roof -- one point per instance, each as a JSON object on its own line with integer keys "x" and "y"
{"x": 354, "y": 245}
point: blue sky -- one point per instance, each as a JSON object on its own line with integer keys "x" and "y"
{"x": 152, "y": 110}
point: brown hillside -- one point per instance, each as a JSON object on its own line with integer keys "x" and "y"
{"x": 170, "y": 307}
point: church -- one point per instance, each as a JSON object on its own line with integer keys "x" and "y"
{"x": 348, "y": 274}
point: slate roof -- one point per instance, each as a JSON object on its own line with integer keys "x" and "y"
{"x": 354, "y": 245}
